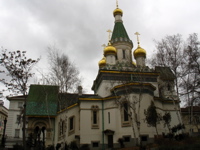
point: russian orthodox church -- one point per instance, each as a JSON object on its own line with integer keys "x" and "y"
{"x": 115, "y": 115}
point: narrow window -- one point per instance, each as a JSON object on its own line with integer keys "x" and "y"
{"x": 71, "y": 123}
{"x": 168, "y": 87}
{"x": 109, "y": 117}
{"x": 126, "y": 112}
{"x": 17, "y": 133}
{"x": 94, "y": 117}
{"x": 124, "y": 54}
{"x": 18, "y": 119}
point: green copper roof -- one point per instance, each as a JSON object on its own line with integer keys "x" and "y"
{"x": 119, "y": 31}
{"x": 42, "y": 100}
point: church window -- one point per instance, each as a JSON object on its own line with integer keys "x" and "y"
{"x": 95, "y": 144}
{"x": 95, "y": 117}
{"x": 17, "y": 133}
{"x": 168, "y": 87}
{"x": 124, "y": 54}
{"x": 18, "y": 119}
{"x": 127, "y": 138}
{"x": 71, "y": 124}
{"x": 109, "y": 117}
{"x": 125, "y": 114}
{"x": 144, "y": 138}
{"x": 126, "y": 118}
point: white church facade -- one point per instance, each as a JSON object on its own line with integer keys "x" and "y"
{"x": 115, "y": 115}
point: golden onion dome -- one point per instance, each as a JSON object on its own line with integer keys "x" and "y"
{"x": 117, "y": 11}
{"x": 109, "y": 49}
{"x": 139, "y": 52}
{"x": 102, "y": 62}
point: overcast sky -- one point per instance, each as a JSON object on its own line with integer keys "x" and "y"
{"x": 78, "y": 27}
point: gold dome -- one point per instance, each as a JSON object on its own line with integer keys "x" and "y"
{"x": 102, "y": 62}
{"x": 139, "y": 52}
{"x": 109, "y": 49}
{"x": 117, "y": 11}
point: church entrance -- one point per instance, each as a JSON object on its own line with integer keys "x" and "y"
{"x": 110, "y": 141}
{"x": 109, "y": 134}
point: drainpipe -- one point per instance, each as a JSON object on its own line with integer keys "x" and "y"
{"x": 102, "y": 125}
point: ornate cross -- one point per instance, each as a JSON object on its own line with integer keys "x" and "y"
{"x": 137, "y": 34}
{"x": 109, "y": 34}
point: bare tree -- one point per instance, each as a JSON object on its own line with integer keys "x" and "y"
{"x": 18, "y": 67}
{"x": 170, "y": 54}
{"x": 62, "y": 71}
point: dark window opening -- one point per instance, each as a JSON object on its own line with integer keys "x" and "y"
{"x": 124, "y": 54}
{"x": 71, "y": 123}
{"x": 168, "y": 87}
{"x": 95, "y": 144}
{"x": 109, "y": 117}
{"x": 126, "y": 112}
{"x": 127, "y": 139}
{"x": 94, "y": 117}
{"x": 143, "y": 138}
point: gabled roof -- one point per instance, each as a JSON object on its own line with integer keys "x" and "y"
{"x": 42, "y": 100}
{"x": 66, "y": 99}
{"x": 165, "y": 73}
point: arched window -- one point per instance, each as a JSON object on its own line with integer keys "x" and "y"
{"x": 95, "y": 116}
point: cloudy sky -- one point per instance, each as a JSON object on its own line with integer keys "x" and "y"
{"x": 78, "y": 27}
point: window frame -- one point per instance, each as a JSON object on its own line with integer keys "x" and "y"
{"x": 95, "y": 117}
{"x": 17, "y": 132}
{"x": 71, "y": 125}
{"x": 124, "y": 54}
{"x": 95, "y": 142}
{"x": 125, "y": 123}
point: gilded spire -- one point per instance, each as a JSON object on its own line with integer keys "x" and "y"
{"x": 138, "y": 41}
{"x": 117, "y": 3}
{"x": 109, "y": 34}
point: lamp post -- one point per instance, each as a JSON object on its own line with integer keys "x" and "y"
{"x": 4, "y": 130}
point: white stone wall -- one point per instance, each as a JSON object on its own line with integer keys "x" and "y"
{"x": 12, "y": 120}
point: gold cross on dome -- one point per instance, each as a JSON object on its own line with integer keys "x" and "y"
{"x": 109, "y": 34}
{"x": 117, "y": 3}
{"x": 104, "y": 45}
{"x": 137, "y": 34}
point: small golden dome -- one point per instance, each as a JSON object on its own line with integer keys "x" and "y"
{"x": 139, "y": 52}
{"x": 109, "y": 49}
{"x": 117, "y": 11}
{"x": 102, "y": 62}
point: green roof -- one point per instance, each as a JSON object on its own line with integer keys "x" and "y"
{"x": 119, "y": 31}
{"x": 42, "y": 100}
